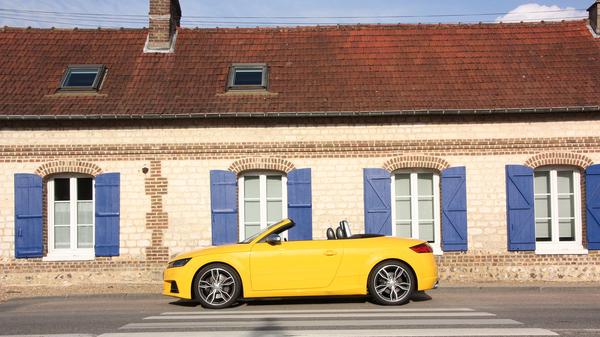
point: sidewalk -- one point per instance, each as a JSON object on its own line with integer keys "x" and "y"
{"x": 10, "y": 292}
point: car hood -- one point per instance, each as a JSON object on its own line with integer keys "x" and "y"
{"x": 233, "y": 248}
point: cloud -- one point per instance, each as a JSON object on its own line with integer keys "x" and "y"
{"x": 537, "y": 12}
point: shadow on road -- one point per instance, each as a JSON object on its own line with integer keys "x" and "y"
{"x": 418, "y": 297}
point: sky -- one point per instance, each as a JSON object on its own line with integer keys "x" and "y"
{"x": 231, "y": 13}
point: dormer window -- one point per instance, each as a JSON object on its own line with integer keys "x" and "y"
{"x": 82, "y": 77}
{"x": 247, "y": 77}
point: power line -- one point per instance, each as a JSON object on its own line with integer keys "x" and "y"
{"x": 116, "y": 20}
{"x": 134, "y": 16}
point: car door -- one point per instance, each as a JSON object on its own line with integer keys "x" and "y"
{"x": 295, "y": 264}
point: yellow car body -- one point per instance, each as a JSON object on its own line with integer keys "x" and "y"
{"x": 302, "y": 268}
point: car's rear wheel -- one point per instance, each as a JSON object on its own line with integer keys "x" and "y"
{"x": 391, "y": 283}
{"x": 217, "y": 286}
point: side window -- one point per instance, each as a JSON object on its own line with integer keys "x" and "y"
{"x": 416, "y": 205}
{"x": 557, "y": 193}
{"x": 71, "y": 217}
{"x": 262, "y": 201}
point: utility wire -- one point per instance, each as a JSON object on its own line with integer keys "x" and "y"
{"x": 285, "y": 17}
{"x": 116, "y": 20}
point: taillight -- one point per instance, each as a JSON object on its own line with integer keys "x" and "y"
{"x": 422, "y": 248}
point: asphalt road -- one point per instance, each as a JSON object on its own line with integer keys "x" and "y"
{"x": 442, "y": 312}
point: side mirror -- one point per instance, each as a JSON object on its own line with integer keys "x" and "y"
{"x": 273, "y": 239}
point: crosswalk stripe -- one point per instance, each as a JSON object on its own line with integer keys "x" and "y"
{"x": 355, "y": 333}
{"x": 269, "y": 324}
{"x": 234, "y": 312}
{"x": 340, "y": 315}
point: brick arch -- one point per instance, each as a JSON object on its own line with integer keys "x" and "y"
{"x": 68, "y": 166}
{"x": 559, "y": 158}
{"x": 261, "y": 163}
{"x": 416, "y": 161}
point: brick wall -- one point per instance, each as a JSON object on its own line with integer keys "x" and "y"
{"x": 167, "y": 210}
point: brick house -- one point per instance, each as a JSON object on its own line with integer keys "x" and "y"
{"x": 120, "y": 148}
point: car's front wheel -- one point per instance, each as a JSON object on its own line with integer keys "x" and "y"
{"x": 217, "y": 286}
{"x": 391, "y": 283}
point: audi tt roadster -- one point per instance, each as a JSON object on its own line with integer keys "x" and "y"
{"x": 388, "y": 269}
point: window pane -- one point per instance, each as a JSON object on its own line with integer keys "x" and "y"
{"x": 248, "y": 77}
{"x": 425, "y": 182}
{"x": 542, "y": 182}
{"x": 81, "y": 78}
{"x": 402, "y": 184}
{"x": 85, "y": 213}
{"x": 61, "y": 189}
{"x": 273, "y": 212}
{"x": 62, "y": 237}
{"x": 273, "y": 186}
{"x": 566, "y": 206}
{"x": 403, "y": 229}
{"x": 403, "y": 211}
{"x": 62, "y": 213}
{"x": 565, "y": 181}
{"x": 85, "y": 236}
{"x": 251, "y": 187}
{"x": 425, "y": 208}
{"x": 566, "y": 229}
{"x": 426, "y": 231}
{"x": 542, "y": 206}
{"x": 251, "y": 230}
{"x": 542, "y": 230}
{"x": 84, "y": 189}
{"x": 252, "y": 211}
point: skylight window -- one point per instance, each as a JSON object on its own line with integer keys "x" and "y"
{"x": 82, "y": 77}
{"x": 247, "y": 76}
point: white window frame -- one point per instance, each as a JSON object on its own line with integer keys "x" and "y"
{"x": 263, "y": 200}
{"x": 556, "y": 246}
{"x": 69, "y": 254}
{"x": 414, "y": 195}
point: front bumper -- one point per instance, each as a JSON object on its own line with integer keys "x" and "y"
{"x": 177, "y": 283}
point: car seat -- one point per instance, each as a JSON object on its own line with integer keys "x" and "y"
{"x": 330, "y": 234}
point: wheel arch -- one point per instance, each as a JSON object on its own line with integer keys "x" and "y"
{"x": 192, "y": 293}
{"x": 412, "y": 270}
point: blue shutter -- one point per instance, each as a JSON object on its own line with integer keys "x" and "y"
{"x": 28, "y": 215}
{"x": 378, "y": 198}
{"x": 592, "y": 206}
{"x": 224, "y": 207}
{"x": 300, "y": 204}
{"x": 519, "y": 208}
{"x": 108, "y": 205}
{"x": 454, "y": 209}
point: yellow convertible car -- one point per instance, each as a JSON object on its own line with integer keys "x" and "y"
{"x": 388, "y": 269}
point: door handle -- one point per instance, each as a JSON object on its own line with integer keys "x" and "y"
{"x": 330, "y": 253}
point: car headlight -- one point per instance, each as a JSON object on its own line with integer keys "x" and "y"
{"x": 178, "y": 263}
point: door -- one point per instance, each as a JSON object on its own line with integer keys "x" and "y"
{"x": 295, "y": 264}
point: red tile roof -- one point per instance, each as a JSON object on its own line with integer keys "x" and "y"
{"x": 345, "y": 69}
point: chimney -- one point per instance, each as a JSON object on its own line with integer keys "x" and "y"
{"x": 594, "y": 11}
{"x": 164, "y": 19}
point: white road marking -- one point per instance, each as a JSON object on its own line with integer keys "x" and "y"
{"x": 340, "y": 315}
{"x": 353, "y": 333}
{"x": 272, "y": 323}
{"x": 291, "y": 312}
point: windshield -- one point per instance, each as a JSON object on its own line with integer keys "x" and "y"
{"x": 249, "y": 239}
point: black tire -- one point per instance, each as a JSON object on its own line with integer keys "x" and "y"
{"x": 399, "y": 290}
{"x": 217, "y": 286}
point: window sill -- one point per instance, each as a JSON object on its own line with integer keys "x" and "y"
{"x": 70, "y": 255}
{"x": 559, "y": 249}
{"x": 437, "y": 251}
{"x": 76, "y": 93}
{"x": 245, "y": 92}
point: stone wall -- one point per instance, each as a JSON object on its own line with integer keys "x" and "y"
{"x": 167, "y": 210}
